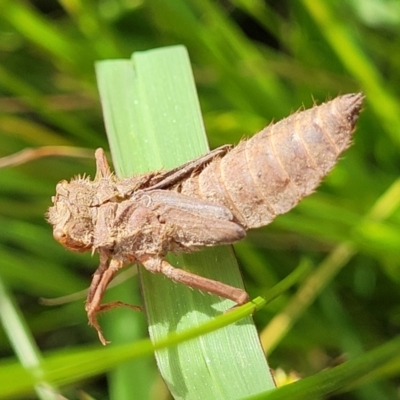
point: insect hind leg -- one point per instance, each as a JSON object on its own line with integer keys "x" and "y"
{"x": 159, "y": 265}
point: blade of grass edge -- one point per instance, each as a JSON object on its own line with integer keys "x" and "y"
{"x": 154, "y": 121}
{"x": 382, "y": 362}
{"x": 379, "y": 363}
{"x": 24, "y": 345}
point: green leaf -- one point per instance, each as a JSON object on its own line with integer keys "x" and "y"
{"x": 153, "y": 120}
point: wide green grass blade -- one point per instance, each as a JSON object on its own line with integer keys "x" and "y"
{"x": 153, "y": 121}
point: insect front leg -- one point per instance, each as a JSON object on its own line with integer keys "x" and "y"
{"x": 101, "y": 278}
{"x": 158, "y": 265}
{"x": 102, "y": 167}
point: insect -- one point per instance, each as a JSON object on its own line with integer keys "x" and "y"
{"x": 209, "y": 201}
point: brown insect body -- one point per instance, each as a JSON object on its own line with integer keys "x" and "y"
{"x": 208, "y": 201}
{"x": 270, "y": 173}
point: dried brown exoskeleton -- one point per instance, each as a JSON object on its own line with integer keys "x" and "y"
{"x": 209, "y": 201}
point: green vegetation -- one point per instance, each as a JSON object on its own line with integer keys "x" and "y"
{"x": 253, "y": 63}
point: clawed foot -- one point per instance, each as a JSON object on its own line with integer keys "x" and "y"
{"x": 92, "y": 313}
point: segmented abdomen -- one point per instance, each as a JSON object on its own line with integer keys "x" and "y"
{"x": 270, "y": 173}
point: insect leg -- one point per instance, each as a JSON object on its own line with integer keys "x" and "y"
{"x": 169, "y": 178}
{"x": 101, "y": 278}
{"x": 158, "y": 265}
{"x": 102, "y": 167}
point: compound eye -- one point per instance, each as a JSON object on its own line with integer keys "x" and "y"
{"x": 59, "y": 235}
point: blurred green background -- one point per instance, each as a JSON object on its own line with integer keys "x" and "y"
{"x": 254, "y": 62}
